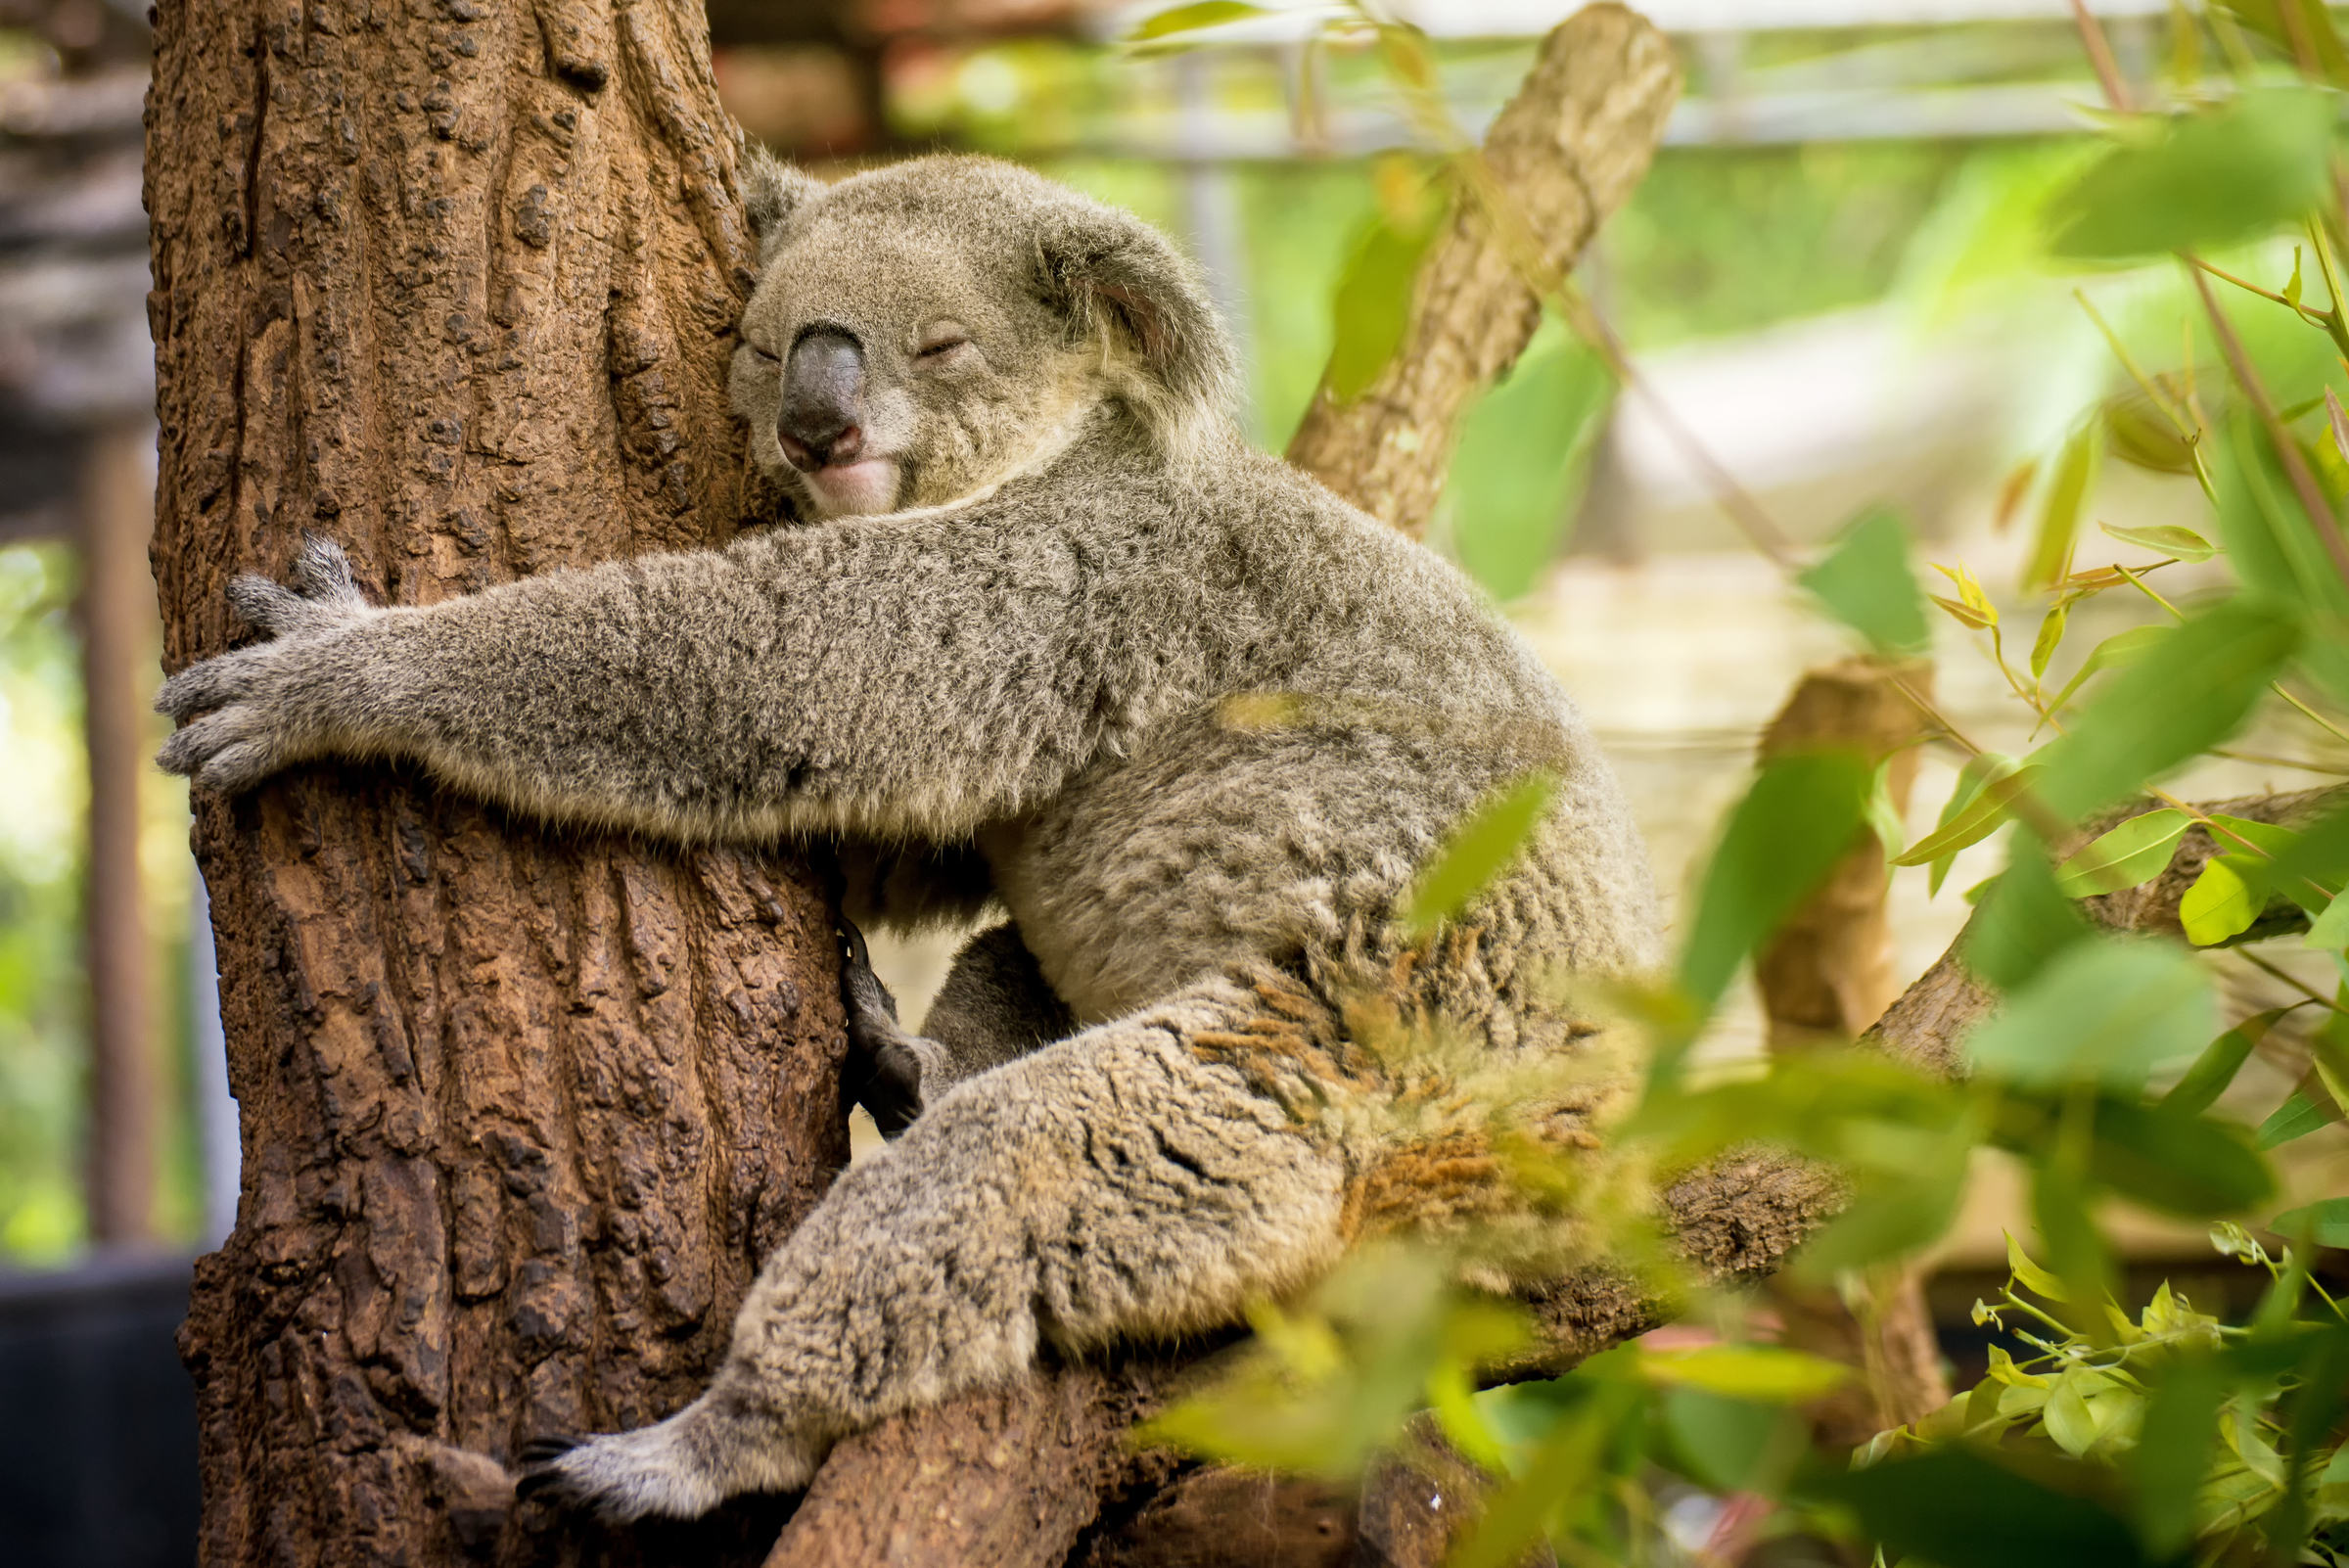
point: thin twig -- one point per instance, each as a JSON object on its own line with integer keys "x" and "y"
{"x": 2099, "y": 56}
{"x": 2288, "y": 451}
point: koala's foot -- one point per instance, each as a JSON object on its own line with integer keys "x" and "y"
{"x": 884, "y": 1072}
{"x": 679, "y": 1468}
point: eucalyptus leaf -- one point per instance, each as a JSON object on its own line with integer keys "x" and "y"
{"x": 2186, "y": 694}
{"x": 2225, "y": 899}
{"x": 2049, "y": 638}
{"x": 1523, "y": 452}
{"x": 1958, "y": 1507}
{"x": 2165, "y": 1468}
{"x": 2212, "y": 179}
{"x": 2022, "y": 923}
{"x": 1373, "y": 304}
{"x": 1981, "y": 814}
{"x": 2330, "y": 931}
{"x": 2303, "y": 1112}
{"x": 1192, "y": 18}
{"x": 2105, "y": 1011}
{"x": 2278, "y": 549}
{"x": 2121, "y": 649}
{"x": 2134, "y": 853}
{"x": 2215, "y": 1068}
{"x": 1801, "y": 815}
{"x": 2059, "y": 514}
{"x": 2326, "y": 1223}
{"x": 1479, "y": 849}
{"x": 2182, "y": 543}
{"x": 1866, "y": 583}
{"x": 1771, "y": 1373}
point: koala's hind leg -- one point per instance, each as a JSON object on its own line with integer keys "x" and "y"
{"x": 994, "y": 1006}
{"x": 1113, "y": 1184}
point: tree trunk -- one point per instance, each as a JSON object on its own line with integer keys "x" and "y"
{"x": 455, "y": 284}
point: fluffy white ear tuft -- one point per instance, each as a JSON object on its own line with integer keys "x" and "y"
{"x": 1117, "y": 275}
{"x": 772, "y": 192}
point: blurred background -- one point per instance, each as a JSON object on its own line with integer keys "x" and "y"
{"x": 1831, "y": 273}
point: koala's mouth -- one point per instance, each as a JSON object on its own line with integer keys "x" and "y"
{"x": 865, "y": 487}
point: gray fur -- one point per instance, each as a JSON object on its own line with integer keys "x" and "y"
{"x": 1193, "y": 721}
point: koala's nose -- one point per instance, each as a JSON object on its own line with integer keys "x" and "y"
{"x": 820, "y": 422}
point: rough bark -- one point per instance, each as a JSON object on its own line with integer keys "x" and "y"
{"x": 1827, "y": 974}
{"x": 117, "y": 617}
{"x": 453, "y": 284}
{"x": 1565, "y": 152}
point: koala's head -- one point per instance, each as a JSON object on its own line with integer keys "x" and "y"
{"x": 923, "y": 331}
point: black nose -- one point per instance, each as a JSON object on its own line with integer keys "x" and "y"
{"x": 823, "y": 400}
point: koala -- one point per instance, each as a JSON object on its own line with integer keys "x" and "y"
{"x": 1047, "y": 639}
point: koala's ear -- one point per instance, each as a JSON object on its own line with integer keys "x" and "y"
{"x": 1111, "y": 272}
{"x": 771, "y": 192}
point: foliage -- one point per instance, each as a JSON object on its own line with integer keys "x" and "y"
{"x": 2154, "y": 1436}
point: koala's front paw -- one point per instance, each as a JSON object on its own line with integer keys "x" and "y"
{"x": 258, "y": 704}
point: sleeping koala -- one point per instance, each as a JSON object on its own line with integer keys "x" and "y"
{"x": 1064, "y": 644}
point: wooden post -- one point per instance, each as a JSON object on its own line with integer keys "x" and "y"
{"x": 118, "y": 671}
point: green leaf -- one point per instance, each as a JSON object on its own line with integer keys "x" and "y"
{"x": 2165, "y": 1469}
{"x": 1522, "y": 455}
{"x": 2022, "y": 922}
{"x": 1373, "y": 304}
{"x": 1867, "y": 584}
{"x": 1770, "y": 1373}
{"x": 1957, "y": 1507}
{"x": 1800, "y": 817}
{"x": 1480, "y": 848}
{"x": 2087, "y": 1411}
{"x": 2140, "y": 432}
{"x": 2330, "y": 931}
{"x": 2030, "y": 1276}
{"x": 1727, "y": 1444}
{"x": 2318, "y": 852}
{"x": 2059, "y": 515}
{"x": 2212, "y": 180}
{"x": 1192, "y": 18}
{"x": 2183, "y": 543}
{"x": 2181, "y": 698}
{"x": 2223, "y": 900}
{"x": 2172, "y": 1162}
{"x": 2277, "y": 547}
{"x": 2311, "y": 22}
{"x": 2134, "y": 853}
{"x": 2115, "y": 651}
{"x": 2059, "y": 1207}
{"x": 1978, "y": 817}
{"x": 2327, "y": 1223}
{"x": 2049, "y": 638}
{"x": 2220, "y": 1061}
{"x": 2105, "y": 1012}
{"x": 1888, "y": 1219}
{"x": 2296, "y": 1118}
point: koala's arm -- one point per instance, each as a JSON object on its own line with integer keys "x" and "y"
{"x": 900, "y": 675}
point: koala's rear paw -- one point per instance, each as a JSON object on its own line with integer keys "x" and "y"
{"x": 621, "y": 1477}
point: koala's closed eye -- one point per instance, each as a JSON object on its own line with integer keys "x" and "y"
{"x": 940, "y": 342}
{"x": 769, "y": 357}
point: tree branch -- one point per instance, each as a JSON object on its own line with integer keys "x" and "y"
{"x": 1568, "y": 149}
